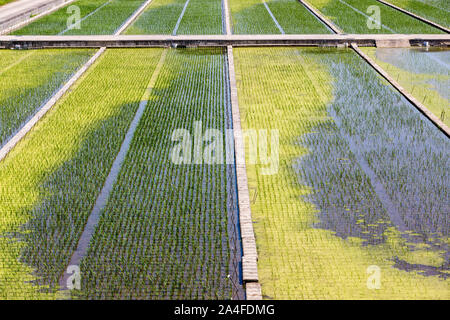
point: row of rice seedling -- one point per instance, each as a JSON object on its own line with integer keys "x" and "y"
{"x": 251, "y": 17}
{"x": 3, "y": 2}
{"x": 361, "y": 16}
{"x": 160, "y": 17}
{"x": 51, "y": 180}
{"x": 361, "y": 180}
{"x": 273, "y": 17}
{"x": 202, "y": 17}
{"x": 435, "y": 10}
{"x": 425, "y": 73}
{"x": 295, "y": 18}
{"x": 169, "y": 230}
{"x": 96, "y": 17}
{"x": 180, "y": 17}
{"x": 29, "y": 79}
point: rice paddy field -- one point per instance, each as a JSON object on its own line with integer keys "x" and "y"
{"x": 96, "y": 17}
{"x": 2, "y": 2}
{"x": 346, "y": 184}
{"x": 42, "y": 73}
{"x": 425, "y": 73}
{"x": 351, "y": 17}
{"x": 131, "y": 181}
{"x": 180, "y": 17}
{"x": 434, "y": 10}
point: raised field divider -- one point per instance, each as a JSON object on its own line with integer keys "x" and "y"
{"x": 319, "y": 16}
{"x": 424, "y": 110}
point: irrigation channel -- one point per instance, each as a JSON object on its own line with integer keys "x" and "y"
{"x": 108, "y": 198}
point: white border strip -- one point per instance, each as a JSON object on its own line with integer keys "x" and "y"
{"x": 227, "y": 17}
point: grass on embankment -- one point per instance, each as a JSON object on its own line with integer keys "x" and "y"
{"x": 3, "y": 2}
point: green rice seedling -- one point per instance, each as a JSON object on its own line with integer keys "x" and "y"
{"x": 423, "y": 73}
{"x": 352, "y": 16}
{"x": 251, "y": 17}
{"x": 202, "y": 17}
{"x": 358, "y": 185}
{"x": 29, "y": 79}
{"x": 295, "y": 18}
{"x": 435, "y": 10}
{"x": 160, "y": 17}
{"x": 51, "y": 179}
{"x": 165, "y": 230}
{"x": 97, "y": 17}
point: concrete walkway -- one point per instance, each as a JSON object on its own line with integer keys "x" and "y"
{"x": 396, "y": 40}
